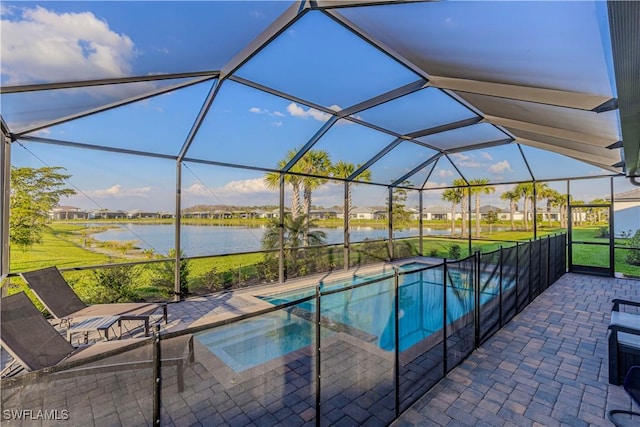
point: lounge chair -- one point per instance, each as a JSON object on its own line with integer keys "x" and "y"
{"x": 61, "y": 301}
{"x": 624, "y": 340}
{"x": 35, "y": 344}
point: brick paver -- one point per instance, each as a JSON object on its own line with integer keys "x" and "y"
{"x": 547, "y": 367}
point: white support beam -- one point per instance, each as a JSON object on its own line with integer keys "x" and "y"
{"x": 595, "y": 159}
{"x": 584, "y": 138}
{"x": 580, "y": 101}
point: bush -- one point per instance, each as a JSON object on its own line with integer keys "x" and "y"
{"x": 454, "y": 251}
{"x": 115, "y": 284}
{"x": 268, "y": 269}
{"x": 633, "y": 255}
{"x": 164, "y": 275}
{"x": 602, "y": 232}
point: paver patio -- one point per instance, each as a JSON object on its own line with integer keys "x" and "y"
{"x": 547, "y": 367}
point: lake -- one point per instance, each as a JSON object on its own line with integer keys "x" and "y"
{"x": 197, "y": 240}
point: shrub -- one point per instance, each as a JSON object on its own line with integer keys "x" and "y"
{"x": 115, "y": 284}
{"x": 454, "y": 251}
{"x": 602, "y": 232}
{"x": 164, "y": 274}
{"x": 633, "y": 255}
{"x": 268, "y": 269}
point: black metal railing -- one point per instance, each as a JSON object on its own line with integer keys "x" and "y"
{"x": 361, "y": 350}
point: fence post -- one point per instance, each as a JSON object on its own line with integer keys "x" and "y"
{"x": 548, "y": 262}
{"x": 396, "y": 362}
{"x": 477, "y": 299}
{"x": 157, "y": 374}
{"x": 318, "y": 351}
{"x": 500, "y": 289}
{"x": 517, "y": 277}
{"x": 530, "y": 270}
{"x": 444, "y": 317}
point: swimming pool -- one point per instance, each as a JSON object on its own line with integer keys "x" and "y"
{"x": 252, "y": 342}
{"x": 371, "y": 308}
{"x": 367, "y": 312}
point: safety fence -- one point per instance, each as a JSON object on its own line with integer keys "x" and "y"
{"x": 356, "y": 351}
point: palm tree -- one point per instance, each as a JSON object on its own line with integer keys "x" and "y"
{"x": 464, "y": 193}
{"x": 559, "y": 200}
{"x": 543, "y": 191}
{"x": 552, "y": 196}
{"x": 480, "y": 187}
{"x": 294, "y": 234}
{"x": 272, "y": 179}
{"x": 525, "y": 191}
{"x": 513, "y": 197}
{"x": 313, "y": 162}
{"x": 344, "y": 170}
{"x": 453, "y": 195}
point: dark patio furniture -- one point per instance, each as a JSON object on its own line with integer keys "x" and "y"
{"x": 624, "y": 340}
{"x": 35, "y": 344}
{"x": 632, "y": 387}
{"x": 61, "y": 301}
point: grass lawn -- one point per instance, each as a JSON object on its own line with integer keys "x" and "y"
{"x": 62, "y": 246}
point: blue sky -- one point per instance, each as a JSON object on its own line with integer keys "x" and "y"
{"x": 315, "y": 59}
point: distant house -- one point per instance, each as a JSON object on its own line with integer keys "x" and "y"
{"x": 323, "y": 214}
{"x": 262, "y": 214}
{"x": 626, "y": 212}
{"x": 107, "y": 214}
{"x": 67, "y": 212}
{"x": 437, "y": 212}
{"x": 138, "y": 214}
{"x": 484, "y": 211}
{"x": 367, "y": 213}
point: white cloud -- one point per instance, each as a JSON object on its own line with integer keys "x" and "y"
{"x": 118, "y": 190}
{"x": 246, "y": 186}
{"x": 430, "y": 184}
{"x": 256, "y": 110}
{"x": 196, "y": 190}
{"x": 45, "y": 45}
{"x": 42, "y": 132}
{"x": 470, "y": 164}
{"x": 277, "y": 124}
{"x": 500, "y": 167}
{"x": 234, "y": 193}
{"x": 486, "y": 155}
{"x": 465, "y": 160}
{"x": 460, "y": 157}
{"x": 444, "y": 173}
{"x": 297, "y": 111}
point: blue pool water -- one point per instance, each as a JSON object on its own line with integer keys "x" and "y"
{"x": 251, "y": 342}
{"x": 367, "y": 312}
